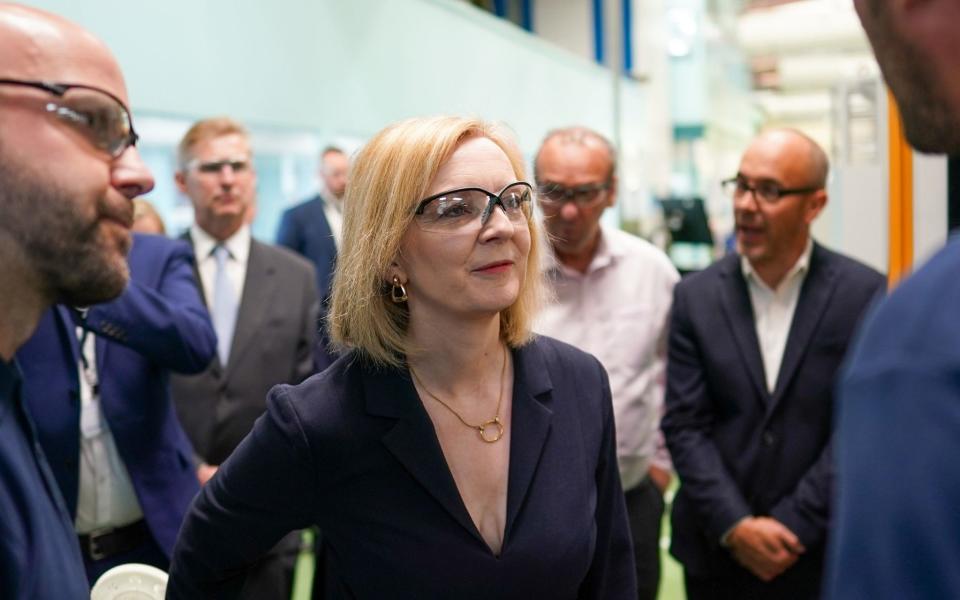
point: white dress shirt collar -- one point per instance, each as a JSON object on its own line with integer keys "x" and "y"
{"x": 773, "y": 311}
{"x": 237, "y": 244}
{"x": 801, "y": 266}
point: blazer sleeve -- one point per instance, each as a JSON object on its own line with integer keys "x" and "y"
{"x": 612, "y": 573}
{"x": 688, "y": 424}
{"x": 264, "y": 490}
{"x": 168, "y": 324}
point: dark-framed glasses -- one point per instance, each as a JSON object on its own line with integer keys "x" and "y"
{"x": 237, "y": 165}
{"x": 99, "y": 115}
{"x": 768, "y": 192}
{"x": 467, "y": 209}
{"x": 553, "y": 195}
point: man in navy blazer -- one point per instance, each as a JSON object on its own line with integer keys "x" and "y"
{"x": 159, "y": 324}
{"x": 755, "y": 342}
{"x": 312, "y": 229}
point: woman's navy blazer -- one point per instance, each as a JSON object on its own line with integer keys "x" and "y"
{"x": 353, "y": 450}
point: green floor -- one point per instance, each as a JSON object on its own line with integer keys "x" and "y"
{"x": 671, "y": 574}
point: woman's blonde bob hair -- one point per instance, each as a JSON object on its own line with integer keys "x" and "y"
{"x": 389, "y": 176}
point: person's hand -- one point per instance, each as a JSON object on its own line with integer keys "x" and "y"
{"x": 661, "y": 478}
{"x": 205, "y": 472}
{"x": 764, "y": 546}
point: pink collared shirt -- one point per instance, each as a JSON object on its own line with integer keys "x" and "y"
{"x": 618, "y": 311}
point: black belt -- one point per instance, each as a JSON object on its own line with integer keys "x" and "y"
{"x": 104, "y": 543}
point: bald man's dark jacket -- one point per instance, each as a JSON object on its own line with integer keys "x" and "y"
{"x": 740, "y": 450}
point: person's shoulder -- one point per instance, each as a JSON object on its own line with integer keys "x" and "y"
{"x": 562, "y": 357}
{"x": 154, "y": 245}
{"x": 642, "y": 252}
{"x": 698, "y": 281}
{"x": 304, "y": 207}
{"x": 284, "y": 258}
{"x": 852, "y": 269}
{"x": 933, "y": 291}
{"x": 323, "y": 399}
{"x": 917, "y": 322}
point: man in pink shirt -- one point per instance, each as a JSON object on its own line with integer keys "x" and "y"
{"x": 612, "y": 294}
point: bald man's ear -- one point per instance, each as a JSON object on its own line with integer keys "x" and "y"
{"x": 815, "y": 205}
{"x": 181, "y": 180}
{"x": 612, "y": 191}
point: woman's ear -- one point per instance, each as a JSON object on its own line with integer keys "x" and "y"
{"x": 396, "y": 269}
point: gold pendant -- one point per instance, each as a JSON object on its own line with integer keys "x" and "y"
{"x": 492, "y": 437}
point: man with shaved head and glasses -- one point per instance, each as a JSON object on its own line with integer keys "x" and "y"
{"x": 755, "y": 342}
{"x": 68, "y": 173}
{"x": 612, "y": 294}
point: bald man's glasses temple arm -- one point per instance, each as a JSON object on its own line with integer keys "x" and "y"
{"x": 101, "y": 116}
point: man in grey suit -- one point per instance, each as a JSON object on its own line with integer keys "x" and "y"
{"x": 264, "y": 306}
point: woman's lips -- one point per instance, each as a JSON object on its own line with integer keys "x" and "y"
{"x": 495, "y": 267}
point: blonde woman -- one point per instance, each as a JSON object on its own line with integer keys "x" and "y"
{"x": 448, "y": 453}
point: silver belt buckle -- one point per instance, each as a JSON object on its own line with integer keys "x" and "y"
{"x": 93, "y": 539}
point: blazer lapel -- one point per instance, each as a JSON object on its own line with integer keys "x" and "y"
{"x": 735, "y": 300}
{"x": 530, "y": 426}
{"x": 257, "y": 291}
{"x": 814, "y": 296}
{"x": 69, "y": 329}
{"x": 413, "y": 440}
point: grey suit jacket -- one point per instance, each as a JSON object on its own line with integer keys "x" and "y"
{"x": 273, "y": 343}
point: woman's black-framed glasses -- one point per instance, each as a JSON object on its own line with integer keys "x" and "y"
{"x": 98, "y": 114}
{"x": 768, "y": 192}
{"x": 465, "y": 209}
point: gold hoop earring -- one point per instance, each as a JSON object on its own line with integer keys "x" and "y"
{"x": 397, "y": 292}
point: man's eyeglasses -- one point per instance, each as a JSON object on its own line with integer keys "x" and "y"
{"x": 553, "y": 195}
{"x": 99, "y": 115}
{"x": 237, "y": 165}
{"x": 470, "y": 208}
{"x": 768, "y": 192}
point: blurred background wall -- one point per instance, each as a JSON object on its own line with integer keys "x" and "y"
{"x": 680, "y": 85}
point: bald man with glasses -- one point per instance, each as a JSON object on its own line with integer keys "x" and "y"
{"x": 68, "y": 173}
{"x": 755, "y": 343}
{"x": 612, "y": 293}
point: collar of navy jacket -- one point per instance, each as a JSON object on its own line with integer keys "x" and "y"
{"x": 815, "y": 295}
{"x": 414, "y": 443}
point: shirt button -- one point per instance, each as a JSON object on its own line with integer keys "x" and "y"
{"x": 769, "y": 438}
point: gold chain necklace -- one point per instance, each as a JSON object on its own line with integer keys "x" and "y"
{"x": 490, "y": 431}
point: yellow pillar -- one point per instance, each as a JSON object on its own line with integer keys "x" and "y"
{"x": 901, "y": 196}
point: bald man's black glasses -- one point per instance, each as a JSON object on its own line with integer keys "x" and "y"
{"x": 769, "y": 192}
{"x": 99, "y": 115}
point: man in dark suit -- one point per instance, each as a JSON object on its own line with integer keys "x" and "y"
{"x": 899, "y": 397}
{"x": 103, "y": 411}
{"x": 312, "y": 229}
{"x": 66, "y": 181}
{"x": 263, "y": 301}
{"x": 755, "y": 342}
